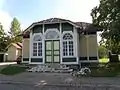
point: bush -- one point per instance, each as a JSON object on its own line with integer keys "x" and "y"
{"x": 114, "y": 58}
{"x": 103, "y": 52}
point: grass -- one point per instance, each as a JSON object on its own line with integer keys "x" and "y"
{"x": 12, "y": 70}
{"x": 108, "y": 70}
{"x": 104, "y": 60}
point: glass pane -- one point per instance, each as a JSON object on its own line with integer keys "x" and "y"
{"x": 48, "y": 52}
{"x": 39, "y": 50}
{"x": 56, "y": 52}
{"x": 67, "y": 36}
{"x": 48, "y": 45}
{"x": 34, "y": 54}
{"x": 37, "y": 38}
{"x": 35, "y": 50}
{"x": 39, "y": 54}
{"x": 52, "y": 35}
{"x": 34, "y": 44}
{"x": 71, "y": 42}
{"x": 56, "y": 58}
{"x": 48, "y": 58}
{"x": 56, "y": 45}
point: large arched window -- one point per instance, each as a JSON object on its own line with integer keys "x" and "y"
{"x": 52, "y": 34}
{"x": 37, "y": 45}
{"x": 68, "y": 49}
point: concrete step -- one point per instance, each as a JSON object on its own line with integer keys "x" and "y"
{"x": 53, "y": 65}
{"x": 49, "y": 68}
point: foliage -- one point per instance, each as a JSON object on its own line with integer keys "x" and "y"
{"x": 13, "y": 36}
{"x": 12, "y": 70}
{"x": 4, "y": 39}
{"x": 102, "y": 51}
{"x": 114, "y": 58}
{"x": 15, "y": 31}
{"x": 107, "y": 16}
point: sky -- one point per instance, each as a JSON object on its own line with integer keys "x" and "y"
{"x": 29, "y": 11}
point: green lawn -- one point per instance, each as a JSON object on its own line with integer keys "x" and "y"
{"x": 12, "y": 70}
{"x": 104, "y": 60}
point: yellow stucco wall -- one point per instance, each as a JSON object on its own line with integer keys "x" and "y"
{"x": 82, "y": 47}
{"x": 26, "y": 48}
{"x": 11, "y": 53}
{"x": 92, "y": 43}
{"x": 92, "y": 46}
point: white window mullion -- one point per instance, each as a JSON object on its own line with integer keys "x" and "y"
{"x": 68, "y": 48}
{"x": 37, "y": 48}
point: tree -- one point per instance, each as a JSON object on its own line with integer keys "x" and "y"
{"x": 107, "y": 16}
{"x": 15, "y": 30}
{"x": 4, "y": 39}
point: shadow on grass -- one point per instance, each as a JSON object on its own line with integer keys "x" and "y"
{"x": 12, "y": 70}
{"x": 109, "y": 70}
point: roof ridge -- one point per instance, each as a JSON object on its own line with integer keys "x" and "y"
{"x": 53, "y": 18}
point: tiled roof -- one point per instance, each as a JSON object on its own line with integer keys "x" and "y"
{"x": 52, "y": 20}
{"x": 58, "y": 20}
{"x": 82, "y": 25}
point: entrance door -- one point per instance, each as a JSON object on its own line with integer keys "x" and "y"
{"x": 52, "y": 51}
